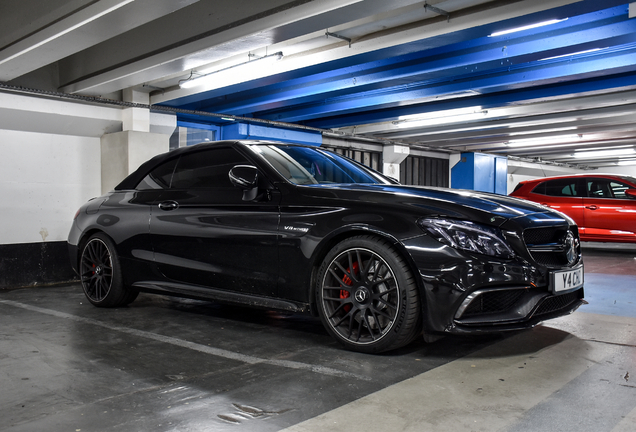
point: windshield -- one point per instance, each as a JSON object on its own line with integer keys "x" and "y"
{"x": 310, "y": 166}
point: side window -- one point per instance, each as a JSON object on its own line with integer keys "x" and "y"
{"x": 206, "y": 169}
{"x": 540, "y": 189}
{"x": 618, "y": 189}
{"x": 604, "y": 188}
{"x": 599, "y": 188}
{"x": 159, "y": 178}
{"x": 558, "y": 188}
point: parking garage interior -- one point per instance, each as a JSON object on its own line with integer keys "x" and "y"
{"x": 465, "y": 94}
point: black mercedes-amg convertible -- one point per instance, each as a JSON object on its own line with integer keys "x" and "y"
{"x": 302, "y": 229}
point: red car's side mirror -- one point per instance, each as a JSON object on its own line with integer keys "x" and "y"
{"x": 631, "y": 193}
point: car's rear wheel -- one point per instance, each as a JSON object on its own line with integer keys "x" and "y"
{"x": 100, "y": 274}
{"x": 367, "y": 296}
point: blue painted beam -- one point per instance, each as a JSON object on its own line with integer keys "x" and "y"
{"x": 395, "y": 81}
{"x": 590, "y": 65}
{"x": 576, "y": 34}
{"x": 258, "y": 132}
{"x": 356, "y": 65}
{"x": 486, "y": 101}
{"x": 198, "y": 101}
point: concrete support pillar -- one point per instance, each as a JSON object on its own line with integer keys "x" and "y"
{"x": 123, "y": 152}
{"x": 136, "y": 119}
{"x": 392, "y": 157}
{"x": 183, "y": 137}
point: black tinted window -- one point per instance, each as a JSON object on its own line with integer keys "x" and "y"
{"x": 203, "y": 169}
{"x": 159, "y": 178}
{"x": 206, "y": 169}
{"x": 605, "y": 188}
{"x": 307, "y": 166}
{"x": 559, "y": 187}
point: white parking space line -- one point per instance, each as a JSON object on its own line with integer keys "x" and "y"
{"x": 231, "y": 355}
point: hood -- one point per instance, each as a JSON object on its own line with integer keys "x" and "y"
{"x": 451, "y": 202}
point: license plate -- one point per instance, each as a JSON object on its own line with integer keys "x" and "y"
{"x": 567, "y": 280}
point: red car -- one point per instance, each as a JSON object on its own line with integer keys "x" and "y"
{"x": 603, "y": 206}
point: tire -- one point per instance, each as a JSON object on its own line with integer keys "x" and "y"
{"x": 100, "y": 274}
{"x": 367, "y": 297}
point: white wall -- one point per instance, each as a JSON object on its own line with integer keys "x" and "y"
{"x": 50, "y": 162}
{"x": 44, "y": 178}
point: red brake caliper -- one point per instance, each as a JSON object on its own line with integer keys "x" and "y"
{"x": 347, "y": 281}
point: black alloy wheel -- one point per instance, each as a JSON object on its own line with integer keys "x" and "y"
{"x": 367, "y": 297}
{"x": 100, "y": 274}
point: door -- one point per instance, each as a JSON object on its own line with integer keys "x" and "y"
{"x": 564, "y": 195}
{"x": 610, "y": 214}
{"x": 204, "y": 234}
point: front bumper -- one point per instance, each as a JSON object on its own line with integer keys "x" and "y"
{"x": 466, "y": 293}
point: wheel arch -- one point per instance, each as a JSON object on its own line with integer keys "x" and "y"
{"x": 331, "y": 241}
{"x": 84, "y": 239}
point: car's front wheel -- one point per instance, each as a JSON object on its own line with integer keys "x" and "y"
{"x": 367, "y": 297}
{"x": 100, "y": 274}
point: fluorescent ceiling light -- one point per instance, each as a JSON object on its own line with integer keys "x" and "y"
{"x": 527, "y": 27}
{"x": 543, "y": 140}
{"x": 230, "y": 75}
{"x": 439, "y": 114}
{"x": 116, "y": 5}
{"x": 440, "y": 117}
{"x": 604, "y": 153}
{"x": 573, "y": 54}
{"x": 627, "y": 146}
{"x": 562, "y": 129}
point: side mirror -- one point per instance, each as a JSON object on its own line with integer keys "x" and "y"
{"x": 630, "y": 193}
{"x": 245, "y": 177}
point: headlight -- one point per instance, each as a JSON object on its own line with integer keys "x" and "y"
{"x": 468, "y": 236}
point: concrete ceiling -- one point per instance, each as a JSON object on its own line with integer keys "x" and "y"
{"x": 434, "y": 74}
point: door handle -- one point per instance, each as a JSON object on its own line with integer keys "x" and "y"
{"x": 169, "y": 205}
{"x": 592, "y": 207}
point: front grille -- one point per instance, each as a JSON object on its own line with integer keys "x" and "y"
{"x": 557, "y": 303}
{"x": 550, "y": 259}
{"x": 492, "y": 302}
{"x": 548, "y": 246}
{"x": 542, "y": 236}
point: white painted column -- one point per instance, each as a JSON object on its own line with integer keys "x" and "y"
{"x": 392, "y": 157}
{"x": 123, "y": 152}
{"x": 136, "y": 119}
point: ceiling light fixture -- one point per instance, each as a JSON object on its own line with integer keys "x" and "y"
{"x": 90, "y": 18}
{"x": 440, "y": 117}
{"x": 229, "y": 75}
{"x": 562, "y": 129}
{"x": 544, "y": 140}
{"x": 527, "y": 27}
{"x": 573, "y": 54}
{"x": 604, "y": 153}
{"x": 627, "y": 146}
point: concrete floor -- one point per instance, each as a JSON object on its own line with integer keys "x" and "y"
{"x": 165, "y": 364}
